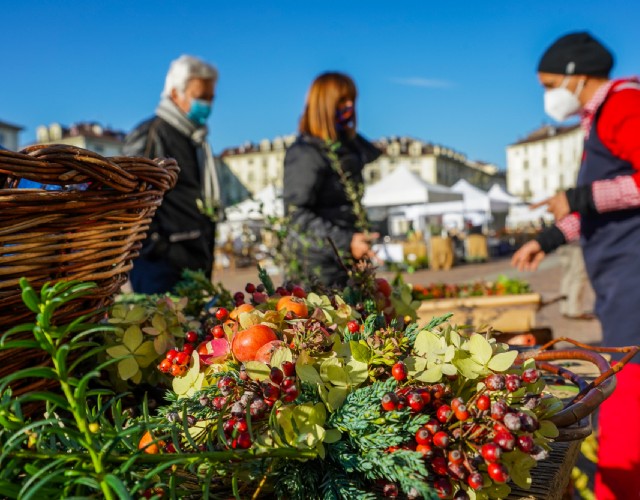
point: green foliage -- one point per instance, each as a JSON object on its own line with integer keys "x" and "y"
{"x": 201, "y": 293}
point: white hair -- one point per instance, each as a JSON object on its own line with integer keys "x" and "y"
{"x": 184, "y": 69}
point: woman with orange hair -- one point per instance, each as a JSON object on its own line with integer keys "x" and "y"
{"x": 323, "y": 183}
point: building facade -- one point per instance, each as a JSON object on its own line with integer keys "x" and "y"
{"x": 87, "y": 135}
{"x": 9, "y": 136}
{"x": 260, "y": 165}
{"x": 544, "y": 162}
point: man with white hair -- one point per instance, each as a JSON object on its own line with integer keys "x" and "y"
{"x": 183, "y": 229}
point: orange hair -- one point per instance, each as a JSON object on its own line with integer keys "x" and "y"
{"x": 325, "y": 94}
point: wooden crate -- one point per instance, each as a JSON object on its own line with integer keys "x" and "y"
{"x": 506, "y": 313}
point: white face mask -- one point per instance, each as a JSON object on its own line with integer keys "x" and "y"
{"x": 560, "y": 103}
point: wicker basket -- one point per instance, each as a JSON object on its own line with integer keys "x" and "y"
{"x": 90, "y": 232}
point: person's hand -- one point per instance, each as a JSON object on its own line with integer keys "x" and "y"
{"x": 528, "y": 256}
{"x": 361, "y": 245}
{"x": 558, "y": 205}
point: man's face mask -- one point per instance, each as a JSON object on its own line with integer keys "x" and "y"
{"x": 560, "y": 103}
{"x": 199, "y": 111}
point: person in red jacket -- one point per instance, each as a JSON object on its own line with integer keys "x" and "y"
{"x": 603, "y": 212}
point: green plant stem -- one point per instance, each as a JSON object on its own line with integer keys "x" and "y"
{"x": 79, "y": 415}
{"x": 214, "y": 456}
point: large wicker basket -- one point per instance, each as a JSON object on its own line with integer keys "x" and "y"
{"x": 90, "y": 230}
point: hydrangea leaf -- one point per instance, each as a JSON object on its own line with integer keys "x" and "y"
{"x": 479, "y": 348}
{"x": 127, "y": 368}
{"x": 132, "y": 338}
{"x": 503, "y": 361}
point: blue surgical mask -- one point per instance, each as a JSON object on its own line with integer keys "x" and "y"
{"x": 199, "y": 111}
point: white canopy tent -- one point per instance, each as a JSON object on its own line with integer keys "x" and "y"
{"x": 403, "y": 187}
{"x": 267, "y": 202}
{"x": 477, "y": 200}
{"x": 498, "y": 193}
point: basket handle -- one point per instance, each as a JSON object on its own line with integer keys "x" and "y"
{"x": 591, "y": 395}
{"x": 61, "y": 164}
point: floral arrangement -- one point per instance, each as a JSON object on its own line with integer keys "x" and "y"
{"x": 503, "y": 285}
{"x": 374, "y": 407}
{"x": 282, "y": 393}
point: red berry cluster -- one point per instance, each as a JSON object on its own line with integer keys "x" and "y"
{"x": 237, "y": 397}
{"x": 257, "y": 295}
{"x": 176, "y": 361}
{"x": 464, "y": 440}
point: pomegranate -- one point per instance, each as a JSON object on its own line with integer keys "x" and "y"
{"x": 246, "y": 343}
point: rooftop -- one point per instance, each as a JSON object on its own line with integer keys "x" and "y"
{"x": 546, "y": 132}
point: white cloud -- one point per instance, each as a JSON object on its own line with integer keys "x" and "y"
{"x": 416, "y": 81}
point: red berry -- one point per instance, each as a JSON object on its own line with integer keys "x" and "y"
{"x": 491, "y": 452}
{"x": 441, "y": 439}
{"x": 399, "y": 371}
{"x": 443, "y": 487}
{"x": 455, "y": 402}
{"x": 513, "y": 382}
{"x": 512, "y": 422}
{"x": 483, "y": 402}
{"x": 243, "y": 441}
{"x": 415, "y": 402}
{"x": 389, "y": 401}
{"x": 288, "y": 368}
{"x": 165, "y": 365}
{"x": 498, "y": 473}
{"x": 423, "y": 436}
{"x": 191, "y": 336}
{"x": 495, "y": 382}
{"x": 525, "y": 443}
{"x": 425, "y": 449}
{"x": 402, "y": 402}
{"x": 505, "y": 440}
{"x": 178, "y": 370}
{"x": 530, "y": 376}
{"x": 455, "y": 457}
{"x": 287, "y": 382}
{"x": 299, "y": 292}
{"x": 241, "y": 425}
{"x": 426, "y": 395}
{"x": 276, "y": 375}
{"x": 183, "y": 358}
{"x": 475, "y": 481}
{"x": 432, "y": 426}
{"x": 444, "y": 413}
{"x": 353, "y": 326}
{"x": 221, "y": 314}
{"x": 171, "y": 354}
{"x": 238, "y": 298}
{"x": 390, "y": 490}
{"x": 188, "y": 348}
{"x": 462, "y": 413}
{"x": 528, "y": 422}
{"x": 218, "y": 332}
{"x": 439, "y": 466}
{"x": 457, "y": 471}
{"x": 250, "y": 288}
{"x": 271, "y": 393}
{"x": 498, "y": 410}
{"x": 260, "y": 288}
{"x": 291, "y": 394}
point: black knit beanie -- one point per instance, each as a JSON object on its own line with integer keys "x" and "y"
{"x": 577, "y": 54}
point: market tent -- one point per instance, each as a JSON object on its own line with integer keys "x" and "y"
{"x": 403, "y": 187}
{"x": 267, "y": 202}
{"x": 477, "y": 200}
{"x": 498, "y": 193}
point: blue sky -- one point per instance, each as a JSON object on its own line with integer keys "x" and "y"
{"x": 459, "y": 73}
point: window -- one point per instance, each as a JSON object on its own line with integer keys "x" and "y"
{"x": 525, "y": 164}
{"x": 2, "y": 139}
{"x": 544, "y": 161}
